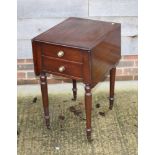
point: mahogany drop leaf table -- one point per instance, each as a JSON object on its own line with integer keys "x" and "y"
{"x": 79, "y": 49}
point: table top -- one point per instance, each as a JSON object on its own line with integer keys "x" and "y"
{"x": 79, "y": 49}
{"x": 78, "y": 33}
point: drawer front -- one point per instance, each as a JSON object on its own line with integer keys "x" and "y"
{"x": 61, "y": 67}
{"x": 62, "y": 52}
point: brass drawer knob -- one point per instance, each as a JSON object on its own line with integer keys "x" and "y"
{"x": 60, "y": 54}
{"x": 61, "y": 68}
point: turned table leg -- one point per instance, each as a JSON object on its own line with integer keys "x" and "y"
{"x": 112, "y": 87}
{"x": 44, "y": 91}
{"x": 88, "y": 108}
{"x": 74, "y": 89}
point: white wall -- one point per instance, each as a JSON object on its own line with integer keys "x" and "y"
{"x": 36, "y": 16}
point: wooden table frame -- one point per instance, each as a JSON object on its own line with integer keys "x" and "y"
{"x": 91, "y": 49}
{"x": 88, "y": 99}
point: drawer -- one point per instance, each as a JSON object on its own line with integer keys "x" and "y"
{"x": 61, "y": 67}
{"x": 62, "y": 52}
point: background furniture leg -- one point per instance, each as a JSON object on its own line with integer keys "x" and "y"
{"x": 88, "y": 108}
{"x": 44, "y": 91}
{"x": 74, "y": 89}
{"x": 112, "y": 87}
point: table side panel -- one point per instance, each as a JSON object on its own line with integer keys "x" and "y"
{"x": 106, "y": 55}
{"x": 36, "y": 49}
{"x": 87, "y": 74}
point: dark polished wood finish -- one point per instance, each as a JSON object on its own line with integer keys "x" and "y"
{"x": 51, "y": 51}
{"x": 112, "y": 86}
{"x": 44, "y": 91}
{"x": 88, "y": 109}
{"x": 80, "y": 49}
{"x": 74, "y": 89}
